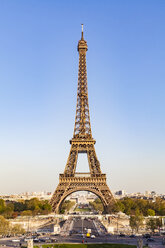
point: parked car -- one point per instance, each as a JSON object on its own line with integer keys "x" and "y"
{"x": 147, "y": 236}
{"x": 41, "y": 240}
{"x": 122, "y": 235}
{"x": 156, "y": 234}
{"x": 26, "y": 239}
{"x": 132, "y": 236}
{"x": 36, "y": 240}
{"x": 53, "y": 240}
{"x": 150, "y": 240}
{"x": 15, "y": 240}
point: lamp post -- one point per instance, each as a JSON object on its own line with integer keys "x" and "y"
{"x": 117, "y": 224}
{"x": 82, "y": 218}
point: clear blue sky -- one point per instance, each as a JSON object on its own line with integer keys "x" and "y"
{"x": 38, "y": 86}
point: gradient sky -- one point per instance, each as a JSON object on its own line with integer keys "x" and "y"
{"x": 38, "y": 87}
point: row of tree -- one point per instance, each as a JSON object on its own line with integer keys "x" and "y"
{"x": 146, "y": 207}
{"x": 127, "y": 205}
{"x": 130, "y": 206}
{"x": 28, "y": 207}
{"x": 97, "y": 205}
{"x": 66, "y": 206}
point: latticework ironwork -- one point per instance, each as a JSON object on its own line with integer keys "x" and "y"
{"x": 82, "y": 142}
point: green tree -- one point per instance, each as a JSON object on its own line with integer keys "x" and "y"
{"x": 8, "y": 212}
{"x": 97, "y": 205}
{"x": 136, "y": 221}
{"x": 2, "y": 206}
{"x": 19, "y": 206}
{"x": 17, "y": 229}
{"x": 66, "y": 206}
{"x": 46, "y": 207}
{"x": 154, "y": 223}
{"x": 113, "y": 207}
{"x": 159, "y": 223}
{"x": 151, "y": 224}
{"x": 26, "y": 213}
{"x": 32, "y": 204}
{"x": 132, "y": 222}
{"x": 150, "y": 212}
{"x": 129, "y": 205}
{"x": 4, "y": 226}
{"x": 121, "y": 206}
{"x": 159, "y": 206}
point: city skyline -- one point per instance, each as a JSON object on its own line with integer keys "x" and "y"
{"x": 38, "y": 85}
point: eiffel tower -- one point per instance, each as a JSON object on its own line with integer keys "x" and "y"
{"x": 82, "y": 142}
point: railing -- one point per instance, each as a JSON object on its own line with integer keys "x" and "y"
{"x": 82, "y": 174}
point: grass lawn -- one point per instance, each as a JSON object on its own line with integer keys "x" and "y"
{"x": 87, "y": 246}
{"x": 82, "y": 209}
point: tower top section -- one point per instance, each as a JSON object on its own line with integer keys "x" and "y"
{"x": 82, "y": 128}
{"x": 82, "y": 44}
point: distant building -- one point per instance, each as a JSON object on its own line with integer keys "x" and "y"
{"x": 120, "y": 193}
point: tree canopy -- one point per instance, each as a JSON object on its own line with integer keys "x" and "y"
{"x": 146, "y": 207}
{"x": 34, "y": 206}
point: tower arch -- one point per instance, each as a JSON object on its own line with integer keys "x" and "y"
{"x": 94, "y": 191}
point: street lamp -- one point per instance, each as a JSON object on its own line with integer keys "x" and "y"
{"x": 82, "y": 218}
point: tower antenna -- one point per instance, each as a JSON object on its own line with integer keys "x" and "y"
{"x": 82, "y": 32}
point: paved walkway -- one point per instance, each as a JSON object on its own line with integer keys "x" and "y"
{"x": 156, "y": 246}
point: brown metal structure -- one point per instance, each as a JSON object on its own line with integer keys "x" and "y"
{"x": 82, "y": 142}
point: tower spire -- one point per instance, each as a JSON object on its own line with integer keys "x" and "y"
{"x": 82, "y": 33}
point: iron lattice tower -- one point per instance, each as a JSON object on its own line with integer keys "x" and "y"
{"x": 82, "y": 142}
